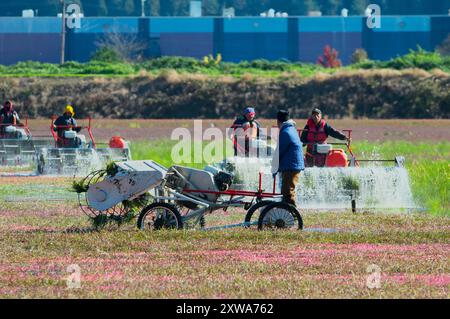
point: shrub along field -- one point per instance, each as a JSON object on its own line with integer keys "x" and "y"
{"x": 42, "y": 233}
{"x": 107, "y": 63}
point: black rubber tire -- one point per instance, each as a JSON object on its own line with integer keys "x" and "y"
{"x": 290, "y": 208}
{"x": 253, "y": 209}
{"x": 169, "y": 207}
{"x": 41, "y": 164}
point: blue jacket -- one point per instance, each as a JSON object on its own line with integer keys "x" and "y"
{"x": 289, "y": 149}
{"x": 65, "y": 120}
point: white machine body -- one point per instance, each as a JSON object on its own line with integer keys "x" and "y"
{"x": 324, "y": 148}
{"x": 70, "y": 134}
{"x": 133, "y": 179}
{"x": 10, "y": 129}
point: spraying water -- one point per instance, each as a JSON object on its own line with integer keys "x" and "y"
{"x": 69, "y": 162}
{"x": 375, "y": 187}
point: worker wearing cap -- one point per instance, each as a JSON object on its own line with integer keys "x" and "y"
{"x": 315, "y": 132}
{"x": 8, "y": 116}
{"x": 64, "y": 123}
{"x": 247, "y": 128}
{"x": 288, "y": 157}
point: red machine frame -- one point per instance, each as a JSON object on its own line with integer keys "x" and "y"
{"x": 21, "y": 125}
{"x": 349, "y": 136}
{"x": 57, "y": 138}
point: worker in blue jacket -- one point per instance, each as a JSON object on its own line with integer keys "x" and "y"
{"x": 288, "y": 157}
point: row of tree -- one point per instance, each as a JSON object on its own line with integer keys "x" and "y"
{"x": 214, "y": 7}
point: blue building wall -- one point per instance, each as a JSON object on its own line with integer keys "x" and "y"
{"x": 37, "y": 39}
{"x": 343, "y": 34}
{"x": 247, "y": 38}
{"x": 397, "y": 36}
{"x": 83, "y": 42}
{"x": 183, "y": 36}
{"x": 241, "y": 38}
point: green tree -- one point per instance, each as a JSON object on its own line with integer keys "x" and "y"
{"x": 357, "y": 7}
{"x": 166, "y": 8}
{"x": 308, "y": 5}
{"x": 180, "y": 7}
{"x": 331, "y": 7}
{"x": 95, "y": 8}
{"x": 153, "y": 8}
{"x": 129, "y": 8}
{"x": 45, "y": 8}
{"x": 212, "y": 8}
{"x": 121, "y": 8}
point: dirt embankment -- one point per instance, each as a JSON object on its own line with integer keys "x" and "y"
{"x": 358, "y": 94}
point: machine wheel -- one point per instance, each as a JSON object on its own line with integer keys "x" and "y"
{"x": 159, "y": 216}
{"x": 258, "y": 208}
{"x": 41, "y": 164}
{"x": 280, "y": 216}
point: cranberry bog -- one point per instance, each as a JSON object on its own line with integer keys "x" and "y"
{"x": 49, "y": 249}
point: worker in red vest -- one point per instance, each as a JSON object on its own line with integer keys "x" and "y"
{"x": 316, "y": 132}
{"x": 245, "y": 129}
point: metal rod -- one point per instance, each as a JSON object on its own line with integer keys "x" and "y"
{"x": 195, "y": 213}
{"x": 91, "y": 136}
{"x": 188, "y": 198}
{"x": 260, "y": 183}
{"x": 233, "y": 193}
{"x": 246, "y": 224}
{"x": 376, "y": 160}
{"x": 63, "y": 32}
{"x": 274, "y": 184}
{"x": 143, "y": 8}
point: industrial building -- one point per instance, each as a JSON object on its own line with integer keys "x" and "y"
{"x": 235, "y": 38}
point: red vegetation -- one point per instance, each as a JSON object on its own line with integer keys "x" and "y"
{"x": 329, "y": 58}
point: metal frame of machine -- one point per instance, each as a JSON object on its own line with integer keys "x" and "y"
{"x": 56, "y": 138}
{"x": 353, "y": 161}
{"x": 65, "y": 156}
{"x": 182, "y": 196}
{"x": 19, "y": 151}
{"x": 179, "y": 203}
{"x": 251, "y": 201}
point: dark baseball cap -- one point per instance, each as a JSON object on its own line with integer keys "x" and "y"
{"x": 316, "y": 111}
{"x": 282, "y": 116}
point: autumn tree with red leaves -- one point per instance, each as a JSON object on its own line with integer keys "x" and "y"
{"x": 330, "y": 58}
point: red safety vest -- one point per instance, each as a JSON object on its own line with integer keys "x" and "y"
{"x": 316, "y": 133}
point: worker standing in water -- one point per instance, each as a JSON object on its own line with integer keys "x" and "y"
{"x": 316, "y": 132}
{"x": 288, "y": 157}
{"x": 245, "y": 130}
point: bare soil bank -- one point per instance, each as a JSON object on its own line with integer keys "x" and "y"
{"x": 356, "y": 94}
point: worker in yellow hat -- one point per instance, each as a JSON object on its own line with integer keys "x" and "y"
{"x": 65, "y": 122}
{"x": 69, "y": 111}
